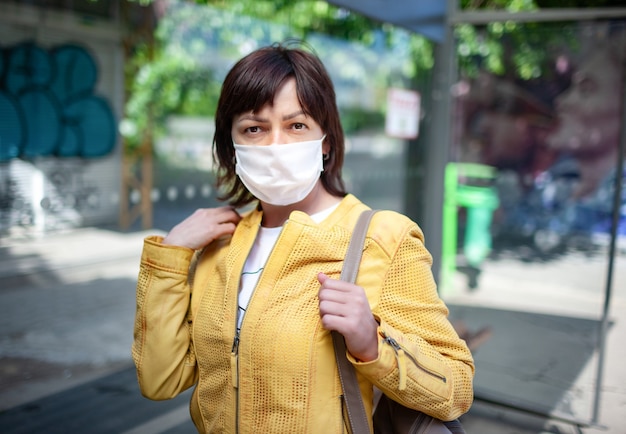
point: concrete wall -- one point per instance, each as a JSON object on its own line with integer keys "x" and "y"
{"x": 61, "y": 97}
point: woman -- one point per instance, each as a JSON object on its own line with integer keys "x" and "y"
{"x": 249, "y": 323}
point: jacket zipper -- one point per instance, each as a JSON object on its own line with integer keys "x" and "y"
{"x": 234, "y": 367}
{"x": 234, "y": 354}
{"x": 400, "y": 357}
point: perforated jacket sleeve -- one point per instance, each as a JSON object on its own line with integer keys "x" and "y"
{"x": 162, "y": 349}
{"x": 422, "y": 362}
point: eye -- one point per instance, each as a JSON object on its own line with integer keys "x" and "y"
{"x": 299, "y": 126}
{"x": 252, "y": 130}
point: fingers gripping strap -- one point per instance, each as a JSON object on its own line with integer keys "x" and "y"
{"x": 352, "y": 394}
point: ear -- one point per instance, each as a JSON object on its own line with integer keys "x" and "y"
{"x": 325, "y": 145}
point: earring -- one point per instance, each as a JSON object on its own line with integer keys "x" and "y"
{"x": 325, "y": 157}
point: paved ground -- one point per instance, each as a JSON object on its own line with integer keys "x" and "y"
{"x": 67, "y": 307}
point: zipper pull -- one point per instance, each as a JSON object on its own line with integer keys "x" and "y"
{"x": 234, "y": 355}
{"x": 235, "y": 348}
{"x": 400, "y": 358}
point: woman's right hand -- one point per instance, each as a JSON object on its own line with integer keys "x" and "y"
{"x": 202, "y": 227}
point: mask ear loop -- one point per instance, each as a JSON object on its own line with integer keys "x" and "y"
{"x": 325, "y": 158}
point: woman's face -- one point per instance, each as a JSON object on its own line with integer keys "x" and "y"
{"x": 281, "y": 123}
{"x": 589, "y": 111}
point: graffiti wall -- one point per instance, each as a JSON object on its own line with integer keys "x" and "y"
{"x": 59, "y": 104}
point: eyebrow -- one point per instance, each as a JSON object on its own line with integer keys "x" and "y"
{"x": 256, "y": 118}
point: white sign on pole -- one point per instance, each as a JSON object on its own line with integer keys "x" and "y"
{"x": 403, "y": 113}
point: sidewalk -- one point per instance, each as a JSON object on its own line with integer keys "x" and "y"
{"x": 67, "y": 310}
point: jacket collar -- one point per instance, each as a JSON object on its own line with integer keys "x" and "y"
{"x": 348, "y": 203}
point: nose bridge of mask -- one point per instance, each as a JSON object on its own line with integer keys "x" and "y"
{"x": 259, "y": 156}
{"x": 273, "y": 163}
{"x": 282, "y": 164}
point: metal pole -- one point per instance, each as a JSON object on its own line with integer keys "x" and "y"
{"x": 437, "y": 153}
{"x": 617, "y": 205}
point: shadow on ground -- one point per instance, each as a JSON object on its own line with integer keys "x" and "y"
{"x": 531, "y": 361}
{"x": 111, "y": 404}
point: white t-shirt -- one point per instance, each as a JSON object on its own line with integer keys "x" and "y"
{"x": 260, "y": 252}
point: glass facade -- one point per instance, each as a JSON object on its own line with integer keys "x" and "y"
{"x": 532, "y": 190}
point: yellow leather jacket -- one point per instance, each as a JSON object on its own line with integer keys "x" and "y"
{"x": 280, "y": 374}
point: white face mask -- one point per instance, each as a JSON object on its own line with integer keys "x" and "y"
{"x": 280, "y": 174}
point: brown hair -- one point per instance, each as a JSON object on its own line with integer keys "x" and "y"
{"x": 251, "y": 84}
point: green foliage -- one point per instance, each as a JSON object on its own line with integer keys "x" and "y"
{"x": 181, "y": 73}
{"x": 306, "y": 16}
{"x": 174, "y": 77}
{"x": 355, "y": 119}
{"x": 517, "y": 50}
{"x": 520, "y": 50}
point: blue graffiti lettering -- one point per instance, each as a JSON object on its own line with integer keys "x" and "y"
{"x": 48, "y": 106}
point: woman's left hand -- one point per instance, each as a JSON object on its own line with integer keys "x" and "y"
{"x": 344, "y": 308}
